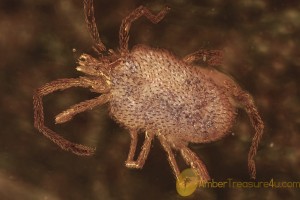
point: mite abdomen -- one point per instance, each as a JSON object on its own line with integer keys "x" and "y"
{"x": 155, "y": 91}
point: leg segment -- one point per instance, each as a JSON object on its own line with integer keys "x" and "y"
{"x": 137, "y": 13}
{"x": 211, "y": 57}
{"x": 171, "y": 156}
{"x": 81, "y": 107}
{"x": 48, "y": 88}
{"x": 246, "y": 100}
{"x": 133, "y": 143}
{"x": 139, "y": 163}
{"x": 91, "y": 24}
{"x": 190, "y": 158}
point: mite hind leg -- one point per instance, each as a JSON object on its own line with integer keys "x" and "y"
{"x": 258, "y": 125}
{"x": 193, "y": 160}
{"x": 211, "y": 57}
{"x": 243, "y": 98}
{"x": 137, "y": 13}
{"x": 139, "y": 163}
{"x": 189, "y": 156}
{"x": 171, "y": 157}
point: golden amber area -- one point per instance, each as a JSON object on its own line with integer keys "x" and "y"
{"x": 187, "y": 182}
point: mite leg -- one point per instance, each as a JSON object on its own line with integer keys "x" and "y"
{"x": 139, "y": 163}
{"x": 137, "y": 13}
{"x": 81, "y": 107}
{"x": 132, "y": 148}
{"x": 190, "y": 157}
{"x": 211, "y": 57}
{"x": 48, "y": 88}
{"x": 171, "y": 156}
{"x": 246, "y": 100}
{"x": 91, "y": 24}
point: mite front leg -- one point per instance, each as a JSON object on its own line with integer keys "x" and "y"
{"x": 48, "y": 88}
{"x": 211, "y": 57}
{"x": 137, "y": 13}
{"x": 81, "y": 107}
{"x": 139, "y": 163}
{"x": 91, "y": 24}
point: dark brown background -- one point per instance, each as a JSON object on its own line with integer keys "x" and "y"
{"x": 261, "y": 43}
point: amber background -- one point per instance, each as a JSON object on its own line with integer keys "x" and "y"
{"x": 261, "y": 43}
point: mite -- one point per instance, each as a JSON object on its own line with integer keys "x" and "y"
{"x": 151, "y": 91}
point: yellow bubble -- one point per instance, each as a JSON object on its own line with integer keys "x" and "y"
{"x": 187, "y": 182}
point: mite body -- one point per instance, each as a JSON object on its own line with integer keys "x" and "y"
{"x": 155, "y": 91}
{"x": 152, "y": 91}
